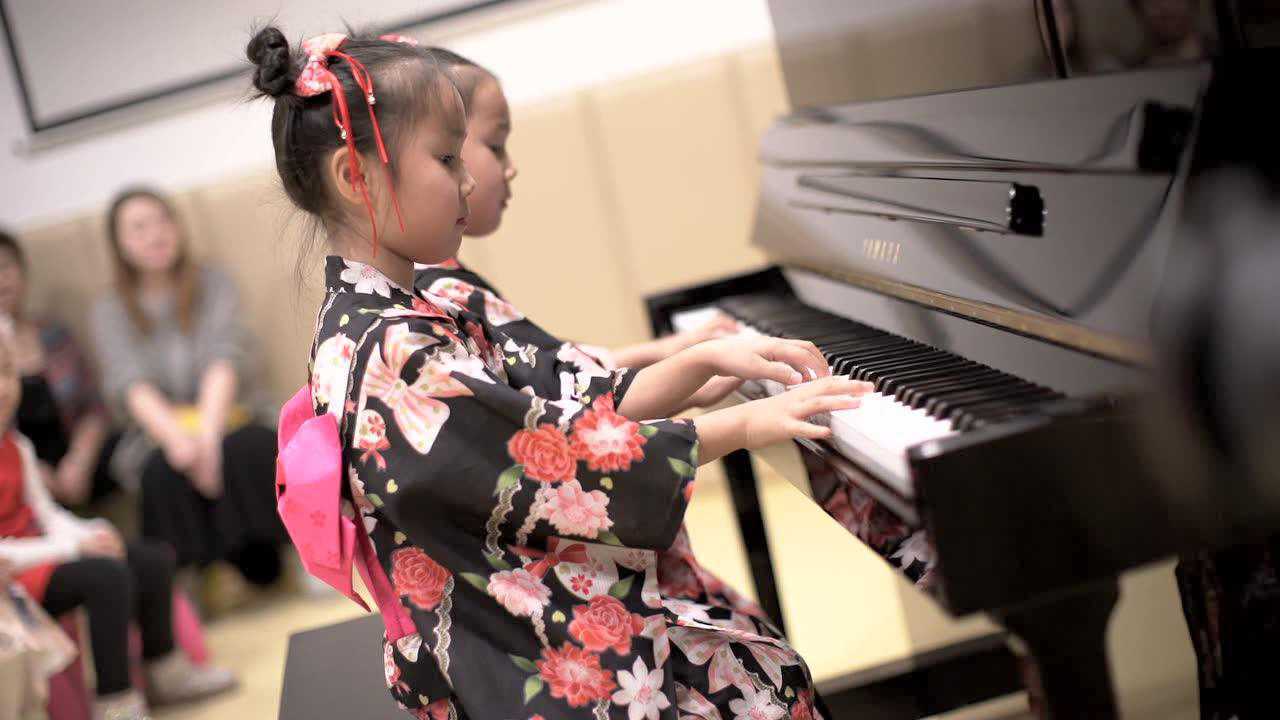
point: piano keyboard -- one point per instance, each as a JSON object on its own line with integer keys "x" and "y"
{"x": 921, "y": 393}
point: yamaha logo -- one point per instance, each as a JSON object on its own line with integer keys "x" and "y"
{"x": 882, "y": 250}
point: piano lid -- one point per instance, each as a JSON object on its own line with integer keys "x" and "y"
{"x": 940, "y": 154}
{"x": 835, "y": 52}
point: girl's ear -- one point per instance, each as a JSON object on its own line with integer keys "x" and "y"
{"x": 342, "y": 178}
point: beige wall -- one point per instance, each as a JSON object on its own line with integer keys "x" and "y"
{"x": 623, "y": 190}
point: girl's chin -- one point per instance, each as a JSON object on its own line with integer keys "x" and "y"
{"x": 480, "y": 230}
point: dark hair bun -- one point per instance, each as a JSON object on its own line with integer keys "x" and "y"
{"x": 269, "y": 52}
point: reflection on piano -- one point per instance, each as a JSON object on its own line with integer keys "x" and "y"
{"x": 989, "y": 255}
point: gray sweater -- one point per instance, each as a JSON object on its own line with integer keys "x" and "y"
{"x": 168, "y": 358}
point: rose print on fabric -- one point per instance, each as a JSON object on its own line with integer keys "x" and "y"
{"x": 607, "y": 441}
{"x": 544, "y": 453}
{"x": 418, "y": 577}
{"x": 575, "y": 675}
{"x": 605, "y": 623}
{"x": 574, "y": 511}
{"x": 522, "y": 593}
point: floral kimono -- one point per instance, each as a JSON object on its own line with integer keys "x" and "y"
{"x": 520, "y": 520}
{"x": 679, "y": 573}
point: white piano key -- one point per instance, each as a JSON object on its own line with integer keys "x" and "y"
{"x": 876, "y": 434}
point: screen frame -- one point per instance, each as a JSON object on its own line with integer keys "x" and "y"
{"x": 36, "y": 125}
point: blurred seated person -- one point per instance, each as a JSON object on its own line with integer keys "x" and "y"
{"x": 66, "y": 563}
{"x": 61, "y": 411}
{"x": 172, "y": 351}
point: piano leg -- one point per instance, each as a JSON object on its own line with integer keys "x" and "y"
{"x": 746, "y": 506}
{"x": 1065, "y": 636}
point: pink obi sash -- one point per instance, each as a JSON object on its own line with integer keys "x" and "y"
{"x": 309, "y": 500}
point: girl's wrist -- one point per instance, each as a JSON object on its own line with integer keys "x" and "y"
{"x": 720, "y": 432}
{"x": 702, "y": 359}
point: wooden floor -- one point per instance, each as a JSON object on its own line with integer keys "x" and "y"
{"x": 845, "y": 610}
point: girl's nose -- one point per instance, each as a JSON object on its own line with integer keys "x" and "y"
{"x": 511, "y": 173}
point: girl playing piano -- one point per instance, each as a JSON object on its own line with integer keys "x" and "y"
{"x": 517, "y": 517}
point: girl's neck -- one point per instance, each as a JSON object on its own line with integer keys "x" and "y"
{"x": 399, "y": 269}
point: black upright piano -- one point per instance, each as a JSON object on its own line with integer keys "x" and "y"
{"x": 972, "y": 205}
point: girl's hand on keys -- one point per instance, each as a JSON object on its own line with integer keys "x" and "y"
{"x": 759, "y": 357}
{"x": 790, "y": 414}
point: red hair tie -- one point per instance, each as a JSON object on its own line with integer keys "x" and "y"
{"x": 316, "y": 79}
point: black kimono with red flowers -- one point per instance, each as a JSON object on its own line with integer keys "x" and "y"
{"x": 520, "y": 519}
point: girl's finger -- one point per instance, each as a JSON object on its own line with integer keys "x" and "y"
{"x": 831, "y": 385}
{"x": 800, "y": 359}
{"x": 824, "y": 404}
{"x": 780, "y": 372}
{"x": 823, "y": 366}
{"x": 801, "y": 429}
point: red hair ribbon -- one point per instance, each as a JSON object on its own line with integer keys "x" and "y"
{"x": 316, "y": 79}
{"x": 575, "y": 553}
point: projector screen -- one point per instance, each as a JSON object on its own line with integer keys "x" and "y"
{"x": 76, "y": 59}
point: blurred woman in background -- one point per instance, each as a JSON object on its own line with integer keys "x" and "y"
{"x": 61, "y": 411}
{"x": 173, "y": 354}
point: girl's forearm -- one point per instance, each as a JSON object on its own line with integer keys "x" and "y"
{"x": 663, "y": 388}
{"x": 644, "y": 354}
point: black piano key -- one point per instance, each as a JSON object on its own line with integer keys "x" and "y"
{"x": 969, "y": 418}
{"x": 859, "y": 367}
{"x": 872, "y": 348}
{"x": 808, "y": 331}
{"x": 920, "y": 376}
{"x": 861, "y": 343}
{"x": 835, "y": 338}
{"x": 971, "y": 392}
{"x": 918, "y": 394}
{"x": 953, "y": 408}
{"x": 849, "y": 363}
{"x": 897, "y": 383}
{"x": 1027, "y": 403}
{"x": 840, "y": 337}
{"x": 868, "y": 350}
{"x": 870, "y": 369}
{"x": 964, "y": 401}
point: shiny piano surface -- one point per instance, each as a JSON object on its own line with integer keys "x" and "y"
{"x": 1004, "y": 219}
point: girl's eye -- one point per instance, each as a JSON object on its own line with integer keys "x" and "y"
{"x": 498, "y": 150}
{"x": 448, "y": 160}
